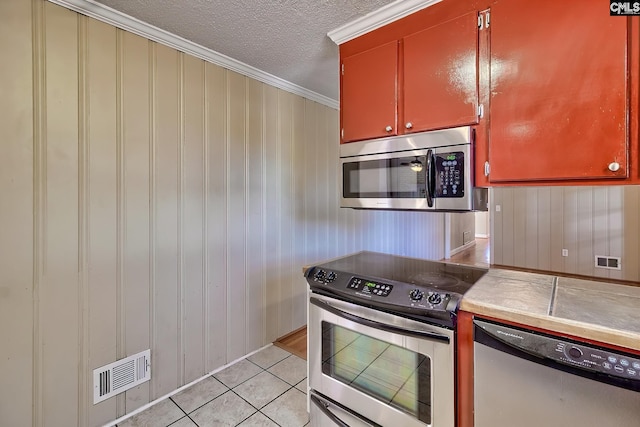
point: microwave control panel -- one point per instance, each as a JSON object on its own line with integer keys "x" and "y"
{"x": 449, "y": 174}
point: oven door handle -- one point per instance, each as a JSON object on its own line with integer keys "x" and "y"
{"x": 377, "y": 325}
{"x": 324, "y": 404}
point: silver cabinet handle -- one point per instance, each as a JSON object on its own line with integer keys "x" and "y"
{"x": 614, "y": 166}
{"x": 388, "y": 128}
{"x": 409, "y": 125}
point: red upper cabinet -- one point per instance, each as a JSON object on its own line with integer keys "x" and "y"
{"x": 441, "y": 75}
{"x": 559, "y": 91}
{"x": 369, "y": 93}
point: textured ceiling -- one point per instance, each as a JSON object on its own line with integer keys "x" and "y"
{"x": 286, "y": 38}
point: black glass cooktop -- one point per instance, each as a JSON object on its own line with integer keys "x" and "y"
{"x": 446, "y": 277}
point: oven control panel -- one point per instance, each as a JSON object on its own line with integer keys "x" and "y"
{"x": 370, "y": 287}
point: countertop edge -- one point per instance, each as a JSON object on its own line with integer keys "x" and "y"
{"x": 556, "y": 325}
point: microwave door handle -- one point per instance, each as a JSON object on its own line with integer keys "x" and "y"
{"x": 377, "y": 325}
{"x": 430, "y": 178}
{"x": 323, "y": 405}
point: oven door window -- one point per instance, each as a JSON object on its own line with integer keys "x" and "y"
{"x": 404, "y": 177}
{"x": 393, "y": 375}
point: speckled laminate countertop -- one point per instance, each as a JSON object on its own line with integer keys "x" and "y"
{"x": 605, "y": 312}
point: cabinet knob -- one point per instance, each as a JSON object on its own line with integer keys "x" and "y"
{"x": 409, "y": 125}
{"x": 614, "y": 166}
{"x": 388, "y": 128}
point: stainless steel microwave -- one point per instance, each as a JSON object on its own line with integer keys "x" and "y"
{"x": 422, "y": 171}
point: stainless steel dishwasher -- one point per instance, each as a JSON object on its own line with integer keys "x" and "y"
{"x": 527, "y": 379}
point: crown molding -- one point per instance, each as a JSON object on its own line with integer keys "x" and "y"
{"x": 128, "y": 23}
{"x": 378, "y": 18}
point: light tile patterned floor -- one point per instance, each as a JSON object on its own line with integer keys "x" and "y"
{"x": 266, "y": 389}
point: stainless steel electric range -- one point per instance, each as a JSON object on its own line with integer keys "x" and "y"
{"x": 382, "y": 340}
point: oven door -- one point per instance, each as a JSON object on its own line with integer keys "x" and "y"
{"x": 388, "y": 370}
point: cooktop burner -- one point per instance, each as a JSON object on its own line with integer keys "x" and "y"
{"x": 422, "y": 288}
{"x": 438, "y": 281}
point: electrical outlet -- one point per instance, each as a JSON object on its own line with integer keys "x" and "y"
{"x": 498, "y": 208}
{"x": 565, "y": 252}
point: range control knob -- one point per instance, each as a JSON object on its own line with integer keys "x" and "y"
{"x": 575, "y": 352}
{"x": 319, "y": 275}
{"x": 435, "y": 299}
{"x": 416, "y": 295}
{"x": 331, "y": 276}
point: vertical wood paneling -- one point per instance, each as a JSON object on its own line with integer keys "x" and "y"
{"x": 39, "y": 200}
{"x": 584, "y": 244}
{"x": 255, "y": 214}
{"x": 59, "y": 287}
{"x": 173, "y": 205}
{"x": 544, "y": 228}
{"x": 285, "y": 125}
{"x": 100, "y": 183}
{"x": 16, "y": 214}
{"x": 557, "y": 228}
{"x": 298, "y": 300}
{"x": 570, "y": 228}
{"x": 496, "y": 221}
{"x": 323, "y": 186}
{"x": 193, "y": 218}
{"x": 531, "y": 227}
{"x": 631, "y": 224}
{"x": 167, "y": 352}
{"x": 236, "y": 220}
{"x": 600, "y": 227}
{"x": 508, "y": 227}
{"x": 616, "y": 228}
{"x": 587, "y": 221}
{"x": 272, "y": 213}
{"x": 136, "y": 120}
{"x": 312, "y": 142}
{"x": 216, "y": 322}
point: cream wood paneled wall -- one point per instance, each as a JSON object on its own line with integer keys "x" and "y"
{"x": 151, "y": 200}
{"x": 534, "y": 225}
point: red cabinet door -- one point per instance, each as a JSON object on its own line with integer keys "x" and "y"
{"x": 369, "y": 93}
{"x": 558, "y": 104}
{"x": 441, "y": 75}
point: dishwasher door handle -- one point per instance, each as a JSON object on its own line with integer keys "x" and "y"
{"x": 377, "y": 325}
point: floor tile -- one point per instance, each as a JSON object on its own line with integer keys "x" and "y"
{"x": 302, "y": 386}
{"x": 237, "y": 373}
{"x": 288, "y": 410}
{"x": 226, "y": 410}
{"x": 261, "y": 389}
{"x": 292, "y": 369}
{"x": 184, "y": 422}
{"x": 258, "y": 420}
{"x": 199, "y": 394}
{"x": 269, "y": 356}
{"x": 161, "y": 414}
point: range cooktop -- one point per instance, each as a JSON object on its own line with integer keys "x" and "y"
{"x": 417, "y": 288}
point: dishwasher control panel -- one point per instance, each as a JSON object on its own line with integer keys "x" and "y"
{"x": 571, "y": 353}
{"x": 598, "y": 360}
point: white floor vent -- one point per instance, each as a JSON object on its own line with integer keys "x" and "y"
{"x": 121, "y": 375}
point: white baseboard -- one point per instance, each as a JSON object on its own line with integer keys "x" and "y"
{"x": 482, "y": 236}
{"x": 463, "y": 247}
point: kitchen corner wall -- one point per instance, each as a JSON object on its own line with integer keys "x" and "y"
{"x": 534, "y": 224}
{"x": 149, "y": 199}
